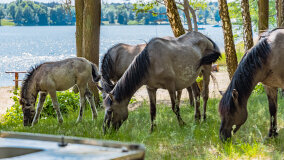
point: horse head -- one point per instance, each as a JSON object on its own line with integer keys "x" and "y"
{"x": 231, "y": 120}
{"x": 28, "y": 108}
{"x": 115, "y": 112}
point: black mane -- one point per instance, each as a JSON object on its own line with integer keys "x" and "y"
{"x": 107, "y": 70}
{"x": 27, "y": 79}
{"x": 243, "y": 77}
{"x": 133, "y": 76}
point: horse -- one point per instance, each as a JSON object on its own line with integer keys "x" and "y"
{"x": 262, "y": 63}
{"x": 168, "y": 64}
{"x": 49, "y": 77}
{"x": 117, "y": 59}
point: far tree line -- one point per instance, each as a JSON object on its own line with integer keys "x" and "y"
{"x": 34, "y": 13}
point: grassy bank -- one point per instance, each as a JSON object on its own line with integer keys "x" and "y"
{"x": 169, "y": 141}
{"x": 5, "y": 22}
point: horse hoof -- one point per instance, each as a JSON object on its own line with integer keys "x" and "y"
{"x": 272, "y": 134}
{"x": 197, "y": 117}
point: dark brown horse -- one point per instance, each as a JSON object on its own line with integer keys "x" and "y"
{"x": 262, "y": 63}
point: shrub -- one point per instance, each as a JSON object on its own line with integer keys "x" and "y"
{"x": 68, "y": 102}
{"x": 14, "y": 114}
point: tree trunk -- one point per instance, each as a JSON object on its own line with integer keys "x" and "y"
{"x": 187, "y": 15}
{"x": 192, "y": 11}
{"x": 263, "y": 13}
{"x": 174, "y": 19}
{"x": 91, "y": 35}
{"x": 248, "y": 39}
{"x": 279, "y": 5}
{"x": 79, "y": 8}
{"x": 231, "y": 57}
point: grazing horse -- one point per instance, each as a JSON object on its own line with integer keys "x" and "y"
{"x": 117, "y": 59}
{"x": 49, "y": 77}
{"x": 262, "y": 63}
{"x": 169, "y": 64}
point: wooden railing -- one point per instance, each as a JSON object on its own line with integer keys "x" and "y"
{"x": 16, "y": 80}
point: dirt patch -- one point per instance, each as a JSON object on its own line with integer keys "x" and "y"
{"x": 222, "y": 79}
{"x": 5, "y": 100}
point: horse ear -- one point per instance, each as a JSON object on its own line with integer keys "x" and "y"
{"x": 235, "y": 95}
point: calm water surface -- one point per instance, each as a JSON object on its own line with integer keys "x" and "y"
{"x": 23, "y": 47}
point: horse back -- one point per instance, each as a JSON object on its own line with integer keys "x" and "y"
{"x": 62, "y": 75}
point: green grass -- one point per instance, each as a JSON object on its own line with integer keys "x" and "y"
{"x": 5, "y": 22}
{"x": 197, "y": 140}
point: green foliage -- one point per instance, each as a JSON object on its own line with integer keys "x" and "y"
{"x": 259, "y": 89}
{"x": 13, "y": 114}
{"x": 236, "y": 16}
{"x": 133, "y": 22}
{"x": 31, "y": 13}
{"x": 68, "y": 102}
{"x": 5, "y": 22}
{"x": 199, "y": 79}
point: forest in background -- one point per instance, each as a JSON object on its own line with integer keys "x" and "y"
{"x": 34, "y": 13}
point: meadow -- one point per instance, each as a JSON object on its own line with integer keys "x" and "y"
{"x": 196, "y": 140}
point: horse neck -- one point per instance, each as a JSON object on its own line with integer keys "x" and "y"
{"x": 32, "y": 88}
{"x": 259, "y": 76}
{"x": 128, "y": 97}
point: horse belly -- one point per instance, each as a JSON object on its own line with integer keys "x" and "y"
{"x": 64, "y": 82}
{"x": 185, "y": 76}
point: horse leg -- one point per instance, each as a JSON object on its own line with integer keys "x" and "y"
{"x": 152, "y": 97}
{"x": 56, "y": 106}
{"x": 196, "y": 94}
{"x": 205, "y": 92}
{"x": 42, "y": 96}
{"x": 178, "y": 97}
{"x": 175, "y": 107}
{"x": 191, "y": 101}
{"x": 91, "y": 101}
{"x": 272, "y": 100}
{"x": 82, "y": 90}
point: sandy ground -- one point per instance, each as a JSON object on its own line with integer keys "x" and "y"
{"x": 5, "y": 100}
{"x": 222, "y": 78}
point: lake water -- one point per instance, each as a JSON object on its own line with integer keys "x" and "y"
{"x": 22, "y": 47}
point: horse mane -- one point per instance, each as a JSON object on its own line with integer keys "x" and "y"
{"x": 27, "y": 79}
{"x": 133, "y": 76}
{"x": 107, "y": 69}
{"x": 243, "y": 77}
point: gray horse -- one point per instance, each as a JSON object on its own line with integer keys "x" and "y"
{"x": 117, "y": 59}
{"x": 262, "y": 63}
{"x": 50, "y": 77}
{"x": 169, "y": 64}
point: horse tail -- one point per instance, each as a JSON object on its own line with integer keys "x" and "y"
{"x": 210, "y": 58}
{"x": 95, "y": 75}
{"x": 106, "y": 71}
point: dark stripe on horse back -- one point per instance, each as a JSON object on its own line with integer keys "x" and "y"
{"x": 133, "y": 76}
{"x": 243, "y": 77}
